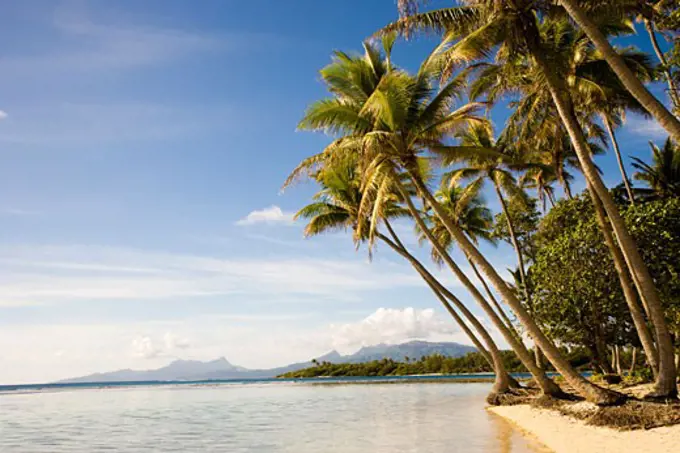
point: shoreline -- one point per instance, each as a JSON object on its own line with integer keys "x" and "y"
{"x": 564, "y": 434}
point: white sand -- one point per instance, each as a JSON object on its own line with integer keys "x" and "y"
{"x": 567, "y": 435}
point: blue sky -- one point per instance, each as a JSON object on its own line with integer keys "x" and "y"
{"x": 143, "y": 149}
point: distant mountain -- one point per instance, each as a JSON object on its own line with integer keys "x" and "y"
{"x": 194, "y": 370}
{"x": 412, "y": 350}
{"x": 177, "y": 370}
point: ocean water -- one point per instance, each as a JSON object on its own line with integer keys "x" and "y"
{"x": 258, "y": 417}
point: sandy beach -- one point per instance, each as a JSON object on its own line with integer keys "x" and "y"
{"x": 564, "y": 434}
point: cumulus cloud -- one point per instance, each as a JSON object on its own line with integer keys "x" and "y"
{"x": 391, "y": 326}
{"x": 270, "y": 215}
{"x": 146, "y": 347}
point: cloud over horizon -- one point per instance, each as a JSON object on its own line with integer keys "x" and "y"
{"x": 391, "y": 326}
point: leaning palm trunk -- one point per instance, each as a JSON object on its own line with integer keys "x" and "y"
{"x": 628, "y": 78}
{"x": 626, "y": 284}
{"x": 515, "y": 244}
{"x": 546, "y": 384}
{"x": 586, "y": 388}
{"x": 619, "y": 159}
{"x": 520, "y": 265}
{"x": 502, "y": 383}
{"x": 493, "y": 300}
{"x": 665, "y": 383}
{"x": 672, "y": 90}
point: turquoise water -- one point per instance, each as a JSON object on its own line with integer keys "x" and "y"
{"x": 257, "y": 417}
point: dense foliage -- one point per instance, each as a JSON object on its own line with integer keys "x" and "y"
{"x": 432, "y": 364}
{"x": 578, "y": 298}
{"x": 568, "y": 90}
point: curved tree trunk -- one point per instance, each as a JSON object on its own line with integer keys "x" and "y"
{"x": 627, "y": 285}
{"x": 515, "y": 244}
{"x": 587, "y": 389}
{"x": 546, "y": 385}
{"x": 619, "y": 159}
{"x": 502, "y": 383}
{"x": 493, "y": 300}
{"x": 665, "y": 118}
{"x": 665, "y": 383}
{"x": 672, "y": 90}
{"x": 551, "y": 199}
{"x": 567, "y": 190}
{"x": 520, "y": 264}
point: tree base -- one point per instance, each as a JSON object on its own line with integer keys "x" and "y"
{"x": 607, "y": 398}
{"x": 661, "y": 397}
{"x": 506, "y": 398}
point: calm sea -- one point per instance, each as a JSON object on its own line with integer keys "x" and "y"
{"x": 258, "y": 417}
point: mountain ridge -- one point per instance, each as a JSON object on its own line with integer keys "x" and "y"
{"x": 221, "y": 368}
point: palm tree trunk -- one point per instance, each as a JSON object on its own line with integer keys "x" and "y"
{"x": 551, "y": 199}
{"x": 601, "y": 349}
{"x": 520, "y": 263}
{"x": 493, "y": 300}
{"x": 672, "y": 90}
{"x": 502, "y": 383}
{"x": 617, "y": 360}
{"x": 586, "y": 388}
{"x": 546, "y": 384}
{"x": 633, "y": 361}
{"x": 619, "y": 159}
{"x": 626, "y": 284}
{"x": 665, "y": 383}
{"x": 665, "y": 118}
{"x": 567, "y": 190}
{"x": 515, "y": 244}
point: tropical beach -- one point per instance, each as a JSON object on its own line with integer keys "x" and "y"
{"x": 446, "y": 225}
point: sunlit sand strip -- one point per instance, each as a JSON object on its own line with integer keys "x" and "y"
{"x": 563, "y": 434}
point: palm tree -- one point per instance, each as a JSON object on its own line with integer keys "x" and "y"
{"x": 516, "y": 28}
{"x": 372, "y": 130}
{"x": 404, "y": 118}
{"x": 649, "y": 13}
{"x": 663, "y": 174}
{"x": 540, "y": 179}
{"x": 467, "y": 207}
{"x": 634, "y": 85}
{"x": 535, "y": 127}
{"x": 497, "y": 168}
{"x": 337, "y": 206}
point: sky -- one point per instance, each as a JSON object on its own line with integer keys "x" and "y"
{"x": 143, "y": 149}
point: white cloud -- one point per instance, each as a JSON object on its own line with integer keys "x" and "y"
{"x": 173, "y": 342}
{"x": 98, "y": 46}
{"x": 255, "y": 340}
{"x": 3, "y": 114}
{"x": 648, "y": 128}
{"x": 143, "y": 347}
{"x": 391, "y": 326}
{"x": 72, "y": 123}
{"x": 270, "y": 215}
{"x": 146, "y": 347}
{"x": 13, "y": 212}
{"x": 48, "y": 275}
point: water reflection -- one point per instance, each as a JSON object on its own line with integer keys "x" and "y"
{"x": 433, "y": 418}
